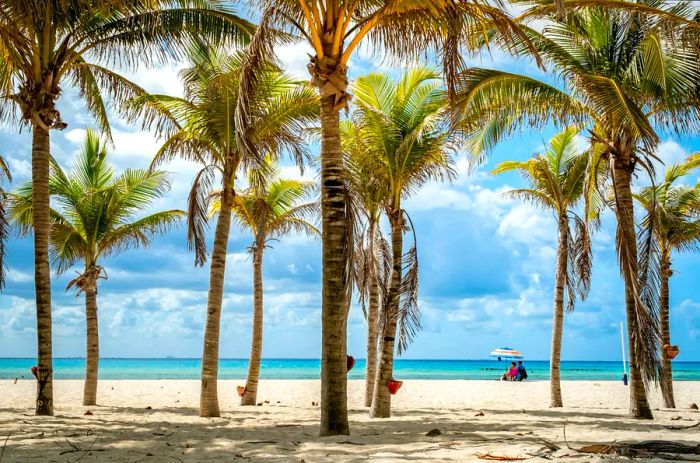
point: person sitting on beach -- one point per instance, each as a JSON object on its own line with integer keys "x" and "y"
{"x": 521, "y": 372}
{"x": 512, "y": 372}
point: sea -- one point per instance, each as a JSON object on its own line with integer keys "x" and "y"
{"x": 183, "y": 368}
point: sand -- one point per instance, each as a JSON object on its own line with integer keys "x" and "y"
{"x": 285, "y": 427}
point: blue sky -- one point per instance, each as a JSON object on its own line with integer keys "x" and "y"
{"x": 486, "y": 264}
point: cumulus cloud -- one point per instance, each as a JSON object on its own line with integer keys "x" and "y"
{"x": 486, "y": 261}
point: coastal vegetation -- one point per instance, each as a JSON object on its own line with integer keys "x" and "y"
{"x": 202, "y": 127}
{"x": 624, "y": 79}
{"x": 406, "y": 140}
{"x": 615, "y": 78}
{"x": 672, "y": 224}
{"x": 45, "y": 45}
{"x": 97, "y": 214}
{"x": 556, "y": 181}
{"x": 270, "y": 208}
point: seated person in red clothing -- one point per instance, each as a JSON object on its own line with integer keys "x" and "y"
{"x": 511, "y": 374}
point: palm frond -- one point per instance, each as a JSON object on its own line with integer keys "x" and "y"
{"x": 140, "y": 232}
{"x": 4, "y": 221}
{"x": 197, "y": 212}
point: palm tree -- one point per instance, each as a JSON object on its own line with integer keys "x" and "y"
{"x": 372, "y": 263}
{"x": 404, "y": 129}
{"x": 96, "y": 216}
{"x": 48, "y": 44}
{"x": 623, "y": 78}
{"x": 269, "y": 209}
{"x": 556, "y": 182}
{"x": 4, "y": 223}
{"x": 672, "y": 220}
{"x": 334, "y": 29}
{"x": 201, "y": 127}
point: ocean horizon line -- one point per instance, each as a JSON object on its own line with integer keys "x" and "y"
{"x": 305, "y": 368}
{"x": 485, "y": 359}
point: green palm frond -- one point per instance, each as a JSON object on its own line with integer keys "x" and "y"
{"x": 97, "y": 213}
{"x": 140, "y": 232}
{"x": 203, "y": 126}
{"x": 493, "y": 105}
{"x": 406, "y": 126}
{"x": 399, "y": 138}
{"x": 556, "y": 181}
{"x": 49, "y": 45}
{"x": 273, "y": 207}
{"x": 672, "y": 209}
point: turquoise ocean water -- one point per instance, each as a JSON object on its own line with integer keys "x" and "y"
{"x": 175, "y": 368}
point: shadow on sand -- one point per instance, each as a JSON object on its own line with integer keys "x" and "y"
{"x": 172, "y": 434}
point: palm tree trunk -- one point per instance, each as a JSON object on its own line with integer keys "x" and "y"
{"x": 92, "y": 357}
{"x": 42, "y": 271}
{"x": 639, "y": 405}
{"x": 558, "y": 320}
{"x": 372, "y": 315}
{"x": 208, "y": 399}
{"x": 666, "y": 379}
{"x": 251, "y": 385}
{"x": 381, "y": 402}
{"x": 334, "y": 407}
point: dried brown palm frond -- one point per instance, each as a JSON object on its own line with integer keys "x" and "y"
{"x": 582, "y": 257}
{"x": 408, "y": 318}
{"x": 641, "y": 289}
{"x": 366, "y": 256}
{"x": 198, "y": 202}
{"x": 4, "y": 222}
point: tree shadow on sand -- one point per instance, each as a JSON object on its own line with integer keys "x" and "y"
{"x": 170, "y": 434}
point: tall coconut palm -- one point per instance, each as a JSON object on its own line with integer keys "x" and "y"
{"x": 406, "y": 135}
{"x": 46, "y": 45}
{"x": 202, "y": 127}
{"x": 623, "y": 77}
{"x": 556, "y": 182}
{"x": 372, "y": 263}
{"x": 334, "y": 29}
{"x": 97, "y": 214}
{"x": 672, "y": 220}
{"x": 4, "y": 223}
{"x": 270, "y": 208}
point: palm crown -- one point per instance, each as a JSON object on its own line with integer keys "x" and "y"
{"x": 672, "y": 209}
{"x": 625, "y": 77}
{"x": 45, "y": 43}
{"x": 404, "y": 128}
{"x": 96, "y": 213}
{"x": 556, "y": 182}
{"x": 201, "y": 127}
{"x": 273, "y": 207}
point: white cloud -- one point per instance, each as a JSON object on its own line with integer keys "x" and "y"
{"x": 20, "y": 168}
{"x": 671, "y": 152}
{"x": 294, "y": 58}
{"x": 526, "y": 224}
{"x": 16, "y": 276}
{"x": 131, "y": 149}
{"x": 160, "y": 80}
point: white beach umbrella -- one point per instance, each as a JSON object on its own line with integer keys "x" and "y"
{"x": 506, "y": 353}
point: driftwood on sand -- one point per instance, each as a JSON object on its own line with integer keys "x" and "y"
{"x": 644, "y": 449}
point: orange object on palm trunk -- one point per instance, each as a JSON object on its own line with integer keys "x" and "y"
{"x": 394, "y": 386}
{"x": 671, "y": 351}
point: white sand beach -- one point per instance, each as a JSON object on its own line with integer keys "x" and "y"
{"x": 515, "y": 418}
